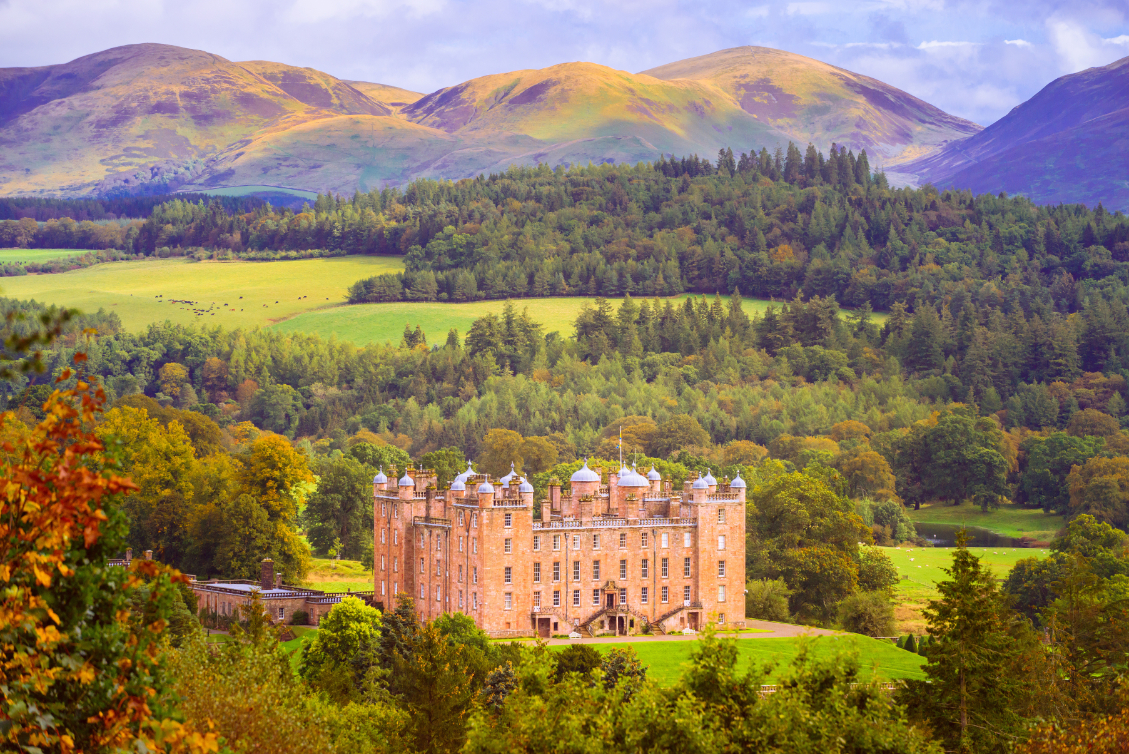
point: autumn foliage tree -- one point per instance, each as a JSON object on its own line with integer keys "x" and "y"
{"x": 77, "y": 677}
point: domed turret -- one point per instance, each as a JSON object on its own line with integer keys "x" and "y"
{"x": 633, "y": 479}
{"x": 458, "y": 485}
{"x": 485, "y": 488}
{"x": 505, "y": 481}
{"x": 406, "y": 481}
{"x": 584, "y": 474}
{"x": 710, "y": 481}
{"x": 653, "y": 475}
{"x": 461, "y": 478}
{"x": 525, "y": 487}
{"x": 380, "y": 477}
{"x": 700, "y": 483}
{"x": 738, "y": 483}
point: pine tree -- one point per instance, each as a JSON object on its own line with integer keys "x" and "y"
{"x": 975, "y": 670}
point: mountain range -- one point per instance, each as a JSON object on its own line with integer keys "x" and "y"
{"x": 147, "y": 118}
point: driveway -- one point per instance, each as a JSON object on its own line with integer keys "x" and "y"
{"x": 770, "y": 631}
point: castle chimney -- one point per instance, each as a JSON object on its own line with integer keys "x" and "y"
{"x": 128, "y": 555}
{"x": 278, "y": 580}
{"x": 266, "y": 580}
{"x": 429, "y": 498}
{"x": 555, "y": 495}
{"x": 148, "y": 554}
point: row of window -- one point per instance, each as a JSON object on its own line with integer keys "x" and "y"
{"x": 644, "y": 570}
{"x": 508, "y": 542}
{"x": 644, "y": 596}
{"x": 423, "y": 594}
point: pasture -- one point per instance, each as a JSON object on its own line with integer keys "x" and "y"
{"x": 38, "y": 256}
{"x": 143, "y": 292}
{"x": 1009, "y": 520}
{"x": 922, "y": 567}
{"x": 305, "y": 295}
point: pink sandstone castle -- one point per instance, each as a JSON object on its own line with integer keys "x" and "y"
{"x": 624, "y": 557}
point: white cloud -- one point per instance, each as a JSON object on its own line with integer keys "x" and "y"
{"x": 1122, "y": 40}
{"x": 809, "y": 8}
{"x": 1078, "y": 48}
{"x": 758, "y": 11}
{"x": 935, "y": 45}
{"x": 1017, "y": 42}
{"x": 314, "y": 11}
{"x": 875, "y": 45}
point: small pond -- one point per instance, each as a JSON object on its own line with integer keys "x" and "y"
{"x": 944, "y": 535}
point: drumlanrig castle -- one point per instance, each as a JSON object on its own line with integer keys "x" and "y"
{"x": 624, "y": 557}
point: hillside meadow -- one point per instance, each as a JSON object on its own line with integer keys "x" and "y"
{"x": 305, "y": 295}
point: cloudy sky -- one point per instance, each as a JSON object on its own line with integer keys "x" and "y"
{"x": 974, "y": 58}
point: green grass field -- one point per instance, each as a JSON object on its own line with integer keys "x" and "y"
{"x": 24, "y": 256}
{"x": 348, "y": 575}
{"x": 246, "y": 190}
{"x": 293, "y": 296}
{"x": 922, "y": 567}
{"x": 132, "y": 288}
{"x": 1009, "y": 520}
{"x": 665, "y": 659}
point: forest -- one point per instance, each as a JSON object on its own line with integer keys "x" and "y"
{"x": 997, "y": 375}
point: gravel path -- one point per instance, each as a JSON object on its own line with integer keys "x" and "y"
{"x": 770, "y": 631}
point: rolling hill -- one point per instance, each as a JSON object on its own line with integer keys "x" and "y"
{"x": 146, "y": 118}
{"x": 1068, "y": 143}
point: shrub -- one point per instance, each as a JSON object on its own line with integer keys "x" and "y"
{"x": 767, "y": 599}
{"x": 578, "y": 658}
{"x": 869, "y": 613}
{"x": 300, "y": 618}
{"x": 911, "y": 644}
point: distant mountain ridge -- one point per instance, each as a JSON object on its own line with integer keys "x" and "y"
{"x": 1068, "y": 143}
{"x": 150, "y": 117}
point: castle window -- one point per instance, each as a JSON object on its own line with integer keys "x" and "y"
{"x": 509, "y": 601}
{"x": 686, "y": 567}
{"x": 666, "y": 568}
{"x": 721, "y": 592}
{"x": 509, "y": 520}
{"x": 395, "y": 564}
{"x": 460, "y": 515}
{"x": 422, "y": 592}
{"x": 623, "y": 596}
{"x": 474, "y": 520}
{"x": 474, "y": 544}
{"x": 666, "y": 539}
{"x": 623, "y": 569}
{"x": 644, "y": 567}
{"x": 381, "y": 588}
{"x": 382, "y": 533}
{"x": 623, "y": 540}
{"x": 643, "y": 595}
{"x": 721, "y": 569}
{"x": 556, "y": 542}
{"x": 643, "y": 539}
{"x": 537, "y": 599}
{"x": 596, "y": 597}
{"x": 721, "y": 541}
{"x": 508, "y": 545}
{"x": 460, "y": 599}
{"x": 576, "y": 570}
{"x": 421, "y": 539}
{"x": 556, "y": 598}
{"x": 396, "y": 537}
{"x": 438, "y": 541}
{"x": 438, "y": 568}
{"x": 556, "y": 570}
{"x": 383, "y": 509}
{"x": 474, "y": 597}
{"x": 395, "y": 587}
{"x": 595, "y": 541}
{"x": 721, "y": 515}
{"x": 421, "y": 566}
{"x": 382, "y": 562}
{"x": 281, "y": 613}
{"x": 536, "y": 573}
{"x": 721, "y": 617}
{"x": 576, "y": 541}
{"x": 509, "y": 575}
{"x": 595, "y": 570}
{"x": 438, "y": 593}
{"x": 576, "y": 598}
{"x": 460, "y": 573}
{"x": 686, "y": 593}
{"x": 536, "y": 543}
{"x": 686, "y": 539}
{"x": 460, "y": 543}
{"x": 475, "y": 577}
